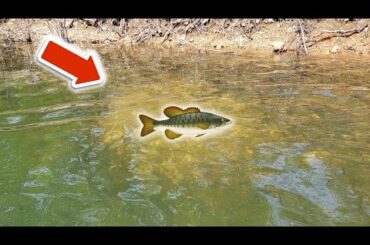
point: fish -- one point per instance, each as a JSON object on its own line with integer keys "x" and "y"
{"x": 190, "y": 121}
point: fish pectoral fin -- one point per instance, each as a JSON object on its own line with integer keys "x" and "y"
{"x": 191, "y": 109}
{"x": 173, "y": 111}
{"x": 199, "y": 135}
{"x": 171, "y": 135}
{"x": 202, "y": 125}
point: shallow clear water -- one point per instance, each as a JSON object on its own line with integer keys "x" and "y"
{"x": 297, "y": 152}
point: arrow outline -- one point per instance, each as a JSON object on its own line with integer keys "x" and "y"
{"x": 83, "y": 54}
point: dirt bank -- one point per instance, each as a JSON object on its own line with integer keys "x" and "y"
{"x": 302, "y": 36}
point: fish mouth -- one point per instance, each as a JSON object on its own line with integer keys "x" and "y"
{"x": 227, "y": 121}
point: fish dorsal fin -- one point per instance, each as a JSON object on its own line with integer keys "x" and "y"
{"x": 174, "y": 111}
{"x": 191, "y": 109}
{"x": 171, "y": 135}
{"x": 203, "y": 125}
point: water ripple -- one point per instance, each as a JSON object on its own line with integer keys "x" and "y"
{"x": 143, "y": 211}
{"x": 74, "y": 179}
{"x": 94, "y": 215}
{"x": 43, "y": 200}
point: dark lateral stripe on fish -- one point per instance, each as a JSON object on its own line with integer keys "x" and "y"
{"x": 185, "y": 120}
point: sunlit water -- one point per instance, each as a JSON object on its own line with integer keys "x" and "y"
{"x": 297, "y": 152}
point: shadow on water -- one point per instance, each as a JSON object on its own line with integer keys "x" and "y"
{"x": 296, "y": 154}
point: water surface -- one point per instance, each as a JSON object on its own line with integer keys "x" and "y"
{"x": 296, "y": 154}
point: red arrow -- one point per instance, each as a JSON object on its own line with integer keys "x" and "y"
{"x": 63, "y": 58}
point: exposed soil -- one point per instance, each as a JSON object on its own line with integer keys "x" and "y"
{"x": 305, "y": 37}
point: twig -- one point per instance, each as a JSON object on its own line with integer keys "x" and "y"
{"x": 159, "y": 31}
{"x": 338, "y": 33}
{"x": 223, "y": 27}
{"x": 344, "y": 32}
{"x": 302, "y": 37}
{"x": 121, "y": 27}
{"x": 168, "y": 33}
{"x": 59, "y": 28}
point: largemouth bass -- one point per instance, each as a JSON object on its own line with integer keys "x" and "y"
{"x": 190, "y": 121}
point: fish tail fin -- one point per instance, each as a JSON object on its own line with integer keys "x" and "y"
{"x": 148, "y": 125}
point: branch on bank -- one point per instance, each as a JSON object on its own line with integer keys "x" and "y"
{"x": 325, "y": 35}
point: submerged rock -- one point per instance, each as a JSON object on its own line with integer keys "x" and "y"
{"x": 278, "y": 46}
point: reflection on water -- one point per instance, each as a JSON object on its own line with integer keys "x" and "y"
{"x": 296, "y": 154}
{"x": 308, "y": 180}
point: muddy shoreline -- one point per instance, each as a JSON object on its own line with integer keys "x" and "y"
{"x": 224, "y": 36}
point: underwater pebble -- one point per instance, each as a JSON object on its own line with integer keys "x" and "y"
{"x": 93, "y": 216}
{"x": 85, "y": 96}
{"x": 173, "y": 194}
{"x": 77, "y": 196}
{"x": 225, "y": 180}
{"x": 128, "y": 196}
{"x": 39, "y": 171}
{"x": 73, "y": 179}
{"x": 97, "y": 131}
{"x": 324, "y": 92}
{"x": 57, "y": 114}
{"x": 15, "y": 119}
{"x": 33, "y": 183}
